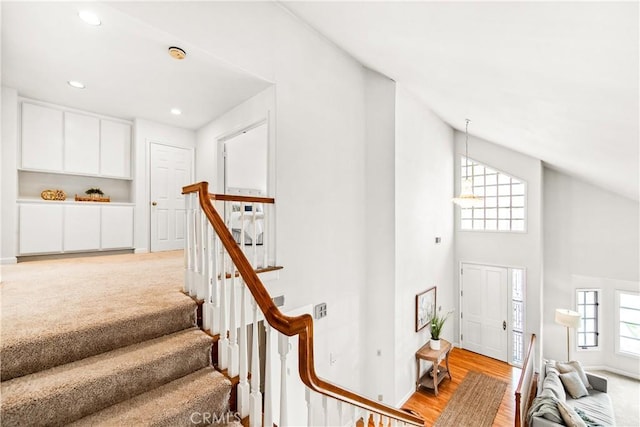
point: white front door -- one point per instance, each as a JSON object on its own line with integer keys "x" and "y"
{"x": 485, "y": 310}
{"x": 170, "y": 170}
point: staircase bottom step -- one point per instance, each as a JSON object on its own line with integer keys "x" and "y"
{"x": 199, "y": 398}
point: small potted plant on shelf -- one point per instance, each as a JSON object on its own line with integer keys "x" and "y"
{"x": 94, "y": 193}
{"x": 437, "y": 323}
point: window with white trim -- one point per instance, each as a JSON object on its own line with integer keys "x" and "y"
{"x": 588, "y": 306}
{"x": 504, "y": 201}
{"x": 628, "y": 322}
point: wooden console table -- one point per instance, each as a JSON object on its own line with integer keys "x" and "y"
{"x": 432, "y": 378}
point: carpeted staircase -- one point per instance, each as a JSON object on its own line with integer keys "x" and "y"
{"x": 127, "y": 354}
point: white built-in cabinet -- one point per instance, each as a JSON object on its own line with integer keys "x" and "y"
{"x": 72, "y": 150}
{"x": 54, "y": 227}
{"x": 42, "y": 138}
{"x": 41, "y": 228}
{"x": 57, "y": 140}
{"x": 81, "y": 144}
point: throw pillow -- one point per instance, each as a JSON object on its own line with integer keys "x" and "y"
{"x": 574, "y": 365}
{"x": 570, "y": 417}
{"x": 552, "y": 382}
{"x": 573, "y": 384}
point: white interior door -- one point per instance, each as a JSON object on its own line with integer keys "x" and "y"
{"x": 485, "y": 310}
{"x": 170, "y": 170}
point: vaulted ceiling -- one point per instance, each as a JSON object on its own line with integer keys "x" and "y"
{"x": 555, "y": 80}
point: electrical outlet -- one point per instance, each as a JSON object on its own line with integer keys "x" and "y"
{"x": 379, "y": 398}
{"x": 320, "y": 310}
{"x": 278, "y": 301}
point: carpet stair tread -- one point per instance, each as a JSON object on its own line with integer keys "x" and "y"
{"x": 68, "y": 392}
{"x": 78, "y": 338}
{"x": 203, "y": 392}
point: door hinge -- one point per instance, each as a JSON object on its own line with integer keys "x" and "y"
{"x": 461, "y": 315}
{"x": 461, "y": 293}
{"x": 460, "y": 337}
{"x": 461, "y": 271}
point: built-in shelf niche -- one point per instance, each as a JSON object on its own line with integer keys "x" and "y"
{"x": 31, "y": 184}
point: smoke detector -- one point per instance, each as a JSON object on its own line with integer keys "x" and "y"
{"x": 177, "y": 53}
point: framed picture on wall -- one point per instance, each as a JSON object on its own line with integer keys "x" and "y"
{"x": 425, "y": 307}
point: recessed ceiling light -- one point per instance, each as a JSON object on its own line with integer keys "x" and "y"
{"x": 176, "y": 111}
{"x": 89, "y": 17}
{"x": 76, "y": 84}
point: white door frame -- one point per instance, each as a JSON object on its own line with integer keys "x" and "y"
{"x": 509, "y": 268}
{"x": 151, "y": 142}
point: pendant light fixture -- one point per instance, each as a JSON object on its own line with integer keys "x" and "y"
{"x": 467, "y": 199}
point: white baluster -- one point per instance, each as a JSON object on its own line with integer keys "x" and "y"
{"x": 204, "y": 255}
{"x": 242, "y": 236}
{"x": 325, "y": 412}
{"x": 265, "y": 251}
{"x": 367, "y": 414}
{"x": 206, "y": 306}
{"x": 307, "y": 397}
{"x": 185, "y": 285}
{"x": 268, "y": 392}
{"x": 233, "y": 361}
{"x": 254, "y": 239}
{"x": 214, "y": 311}
{"x": 339, "y": 405}
{"x": 243, "y": 385}
{"x": 191, "y": 245}
{"x": 223, "y": 341}
{"x": 283, "y": 350}
{"x": 197, "y": 243}
{"x": 255, "y": 399}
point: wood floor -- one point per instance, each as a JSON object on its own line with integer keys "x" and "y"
{"x": 429, "y": 406}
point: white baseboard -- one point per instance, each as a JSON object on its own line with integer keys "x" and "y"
{"x": 612, "y": 370}
{"x": 406, "y": 397}
{"x": 141, "y": 251}
{"x": 9, "y": 260}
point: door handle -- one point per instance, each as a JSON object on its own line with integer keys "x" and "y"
{"x": 504, "y": 325}
{"x": 154, "y": 203}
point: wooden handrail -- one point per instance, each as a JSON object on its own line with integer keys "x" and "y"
{"x": 245, "y": 199}
{"x": 521, "y": 383}
{"x": 287, "y": 325}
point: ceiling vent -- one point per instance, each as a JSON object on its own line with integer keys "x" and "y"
{"x": 177, "y": 53}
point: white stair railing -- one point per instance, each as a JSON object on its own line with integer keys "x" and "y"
{"x": 219, "y": 265}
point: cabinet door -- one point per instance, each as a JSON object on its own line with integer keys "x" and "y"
{"x": 40, "y": 228}
{"x": 117, "y": 227}
{"x": 42, "y": 134}
{"x": 81, "y": 143}
{"x": 81, "y": 228}
{"x": 115, "y": 149}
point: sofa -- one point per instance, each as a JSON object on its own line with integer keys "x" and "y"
{"x": 570, "y": 396}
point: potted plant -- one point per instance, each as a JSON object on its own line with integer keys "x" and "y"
{"x": 94, "y": 193}
{"x": 437, "y": 322}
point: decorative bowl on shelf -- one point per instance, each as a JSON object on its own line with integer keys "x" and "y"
{"x": 53, "y": 195}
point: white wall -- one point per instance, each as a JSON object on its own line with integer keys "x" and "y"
{"x": 423, "y": 211}
{"x": 522, "y": 250}
{"x": 9, "y": 174}
{"x": 378, "y": 213}
{"x": 146, "y": 132}
{"x": 319, "y": 166}
{"x": 591, "y": 240}
{"x": 254, "y": 110}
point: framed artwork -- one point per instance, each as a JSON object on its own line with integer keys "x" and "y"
{"x": 425, "y": 307}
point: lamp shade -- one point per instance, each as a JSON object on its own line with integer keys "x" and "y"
{"x": 568, "y": 318}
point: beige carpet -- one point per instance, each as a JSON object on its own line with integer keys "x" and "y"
{"x": 475, "y": 402}
{"x": 81, "y": 335}
{"x": 625, "y": 395}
